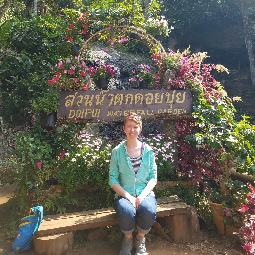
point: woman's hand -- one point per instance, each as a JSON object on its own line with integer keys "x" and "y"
{"x": 138, "y": 202}
{"x": 132, "y": 200}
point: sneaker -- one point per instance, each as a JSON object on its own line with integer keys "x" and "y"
{"x": 140, "y": 246}
{"x": 127, "y": 246}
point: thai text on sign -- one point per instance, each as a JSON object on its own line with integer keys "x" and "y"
{"x": 110, "y": 105}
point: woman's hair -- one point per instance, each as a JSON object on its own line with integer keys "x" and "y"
{"x": 135, "y": 117}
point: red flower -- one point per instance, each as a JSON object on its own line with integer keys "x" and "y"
{"x": 84, "y": 32}
{"x": 66, "y": 37}
{"x": 71, "y": 72}
{"x": 58, "y": 73}
{"x": 87, "y": 13}
{"x": 61, "y": 67}
{"x": 71, "y": 39}
{"x": 85, "y": 26}
{"x": 74, "y": 79}
{"x": 82, "y": 73}
{"x": 55, "y": 78}
{"x": 71, "y": 25}
{"x": 84, "y": 88}
{"x": 50, "y": 81}
{"x": 68, "y": 31}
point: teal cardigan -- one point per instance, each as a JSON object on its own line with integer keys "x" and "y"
{"x": 121, "y": 170}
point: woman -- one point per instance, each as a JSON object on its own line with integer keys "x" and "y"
{"x": 133, "y": 175}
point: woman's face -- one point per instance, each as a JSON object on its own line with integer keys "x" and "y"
{"x": 131, "y": 129}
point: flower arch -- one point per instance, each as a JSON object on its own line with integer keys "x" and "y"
{"x": 154, "y": 45}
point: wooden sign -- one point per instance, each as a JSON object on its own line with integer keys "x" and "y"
{"x": 113, "y": 105}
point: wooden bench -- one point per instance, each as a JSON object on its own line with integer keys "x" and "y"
{"x": 56, "y": 233}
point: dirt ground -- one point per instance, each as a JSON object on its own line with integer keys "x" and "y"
{"x": 211, "y": 242}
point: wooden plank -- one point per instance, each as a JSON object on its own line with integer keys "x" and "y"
{"x": 55, "y": 224}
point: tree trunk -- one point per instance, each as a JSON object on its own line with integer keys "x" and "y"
{"x": 146, "y": 7}
{"x": 248, "y": 38}
{"x": 35, "y": 7}
{"x": 4, "y": 8}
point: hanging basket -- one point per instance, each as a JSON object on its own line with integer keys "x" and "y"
{"x": 102, "y": 83}
{"x": 49, "y": 121}
{"x": 144, "y": 84}
{"x": 159, "y": 37}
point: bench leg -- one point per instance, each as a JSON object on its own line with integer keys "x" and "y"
{"x": 184, "y": 228}
{"x": 54, "y": 244}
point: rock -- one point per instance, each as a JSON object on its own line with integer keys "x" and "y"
{"x": 54, "y": 244}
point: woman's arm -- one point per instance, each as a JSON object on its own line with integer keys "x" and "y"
{"x": 120, "y": 191}
{"x": 149, "y": 187}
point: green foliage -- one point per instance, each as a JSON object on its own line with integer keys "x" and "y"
{"x": 185, "y": 193}
{"x": 59, "y": 204}
{"x": 10, "y": 219}
{"x": 35, "y": 158}
{"x": 157, "y": 26}
{"x": 48, "y": 102}
{"x": 28, "y": 50}
{"x": 87, "y": 162}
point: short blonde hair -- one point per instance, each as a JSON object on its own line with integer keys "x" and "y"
{"x": 135, "y": 117}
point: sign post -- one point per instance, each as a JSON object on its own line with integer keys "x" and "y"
{"x": 113, "y": 105}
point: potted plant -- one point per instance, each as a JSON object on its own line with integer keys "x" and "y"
{"x": 157, "y": 27}
{"x": 69, "y": 74}
{"x": 101, "y": 74}
{"x": 144, "y": 76}
{"x": 225, "y": 200}
{"x": 47, "y": 106}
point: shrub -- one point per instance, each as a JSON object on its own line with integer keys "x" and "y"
{"x": 247, "y": 232}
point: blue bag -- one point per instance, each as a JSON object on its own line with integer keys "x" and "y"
{"x": 27, "y": 228}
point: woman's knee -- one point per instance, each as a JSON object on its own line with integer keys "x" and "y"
{"x": 123, "y": 207}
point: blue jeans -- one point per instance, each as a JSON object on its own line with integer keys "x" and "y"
{"x": 126, "y": 214}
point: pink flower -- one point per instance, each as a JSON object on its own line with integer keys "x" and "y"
{"x": 227, "y": 211}
{"x": 104, "y": 49}
{"x": 112, "y": 43}
{"x": 68, "y": 60}
{"x": 39, "y": 164}
{"x": 140, "y": 78}
{"x": 109, "y": 27}
{"x": 71, "y": 72}
{"x": 74, "y": 79}
{"x": 84, "y": 88}
{"x": 244, "y": 208}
